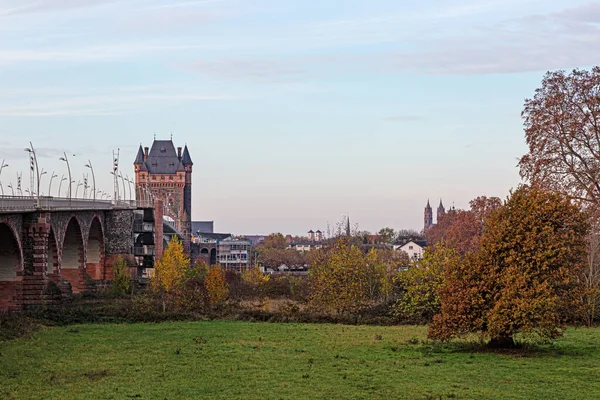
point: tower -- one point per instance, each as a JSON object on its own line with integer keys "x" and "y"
{"x": 428, "y": 217}
{"x": 440, "y": 211}
{"x": 163, "y": 173}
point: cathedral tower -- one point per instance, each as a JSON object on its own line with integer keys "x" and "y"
{"x": 440, "y": 212}
{"x": 428, "y": 217}
{"x": 166, "y": 174}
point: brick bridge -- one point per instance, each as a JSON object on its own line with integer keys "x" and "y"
{"x": 51, "y": 248}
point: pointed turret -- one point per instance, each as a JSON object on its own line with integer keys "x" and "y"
{"x": 348, "y": 226}
{"x": 139, "y": 159}
{"x": 441, "y": 210}
{"x": 428, "y": 216}
{"x": 186, "y": 159}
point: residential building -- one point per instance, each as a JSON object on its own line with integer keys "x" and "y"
{"x": 234, "y": 253}
{"x": 414, "y": 248}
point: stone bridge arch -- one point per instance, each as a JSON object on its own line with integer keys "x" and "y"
{"x": 72, "y": 260}
{"x": 11, "y": 265}
{"x": 95, "y": 254}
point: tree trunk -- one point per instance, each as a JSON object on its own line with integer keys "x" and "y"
{"x": 502, "y": 342}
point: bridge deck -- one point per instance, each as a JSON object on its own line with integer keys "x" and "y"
{"x": 20, "y": 204}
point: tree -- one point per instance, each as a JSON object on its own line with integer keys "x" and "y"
{"x": 216, "y": 286}
{"x": 170, "y": 271}
{"x": 339, "y": 280}
{"x": 525, "y": 276}
{"x": 562, "y": 130}
{"x": 386, "y": 235}
{"x": 461, "y": 229}
{"x": 404, "y": 235}
{"x": 121, "y": 284}
{"x": 421, "y": 284}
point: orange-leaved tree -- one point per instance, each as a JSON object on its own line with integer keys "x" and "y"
{"x": 216, "y": 287}
{"x": 170, "y": 271}
{"x": 524, "y": 279}
{"x": 339, "y": 280}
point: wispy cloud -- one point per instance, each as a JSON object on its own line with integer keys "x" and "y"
{"x": 116, "y": 103}
{"x": 254, "y": 70}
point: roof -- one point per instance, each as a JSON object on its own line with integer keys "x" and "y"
{"x": 311, "y": 231}
{"x": 163, "y": 158}
{"x": 215, "y": 236}
{"x": 186, "y": 159}
{"x": 203, "y": 226}
{"x": 318, "y": 231}
{"x": 139, "y": 159}
{"x": 421, "y": 243}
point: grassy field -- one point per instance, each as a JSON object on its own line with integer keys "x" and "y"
{"x": 241, "y": 360}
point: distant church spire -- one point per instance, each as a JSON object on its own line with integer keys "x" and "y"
{"x": 428, "y": 216}
{"x": 348, "y": 225}
{"x": 441, "y": 210}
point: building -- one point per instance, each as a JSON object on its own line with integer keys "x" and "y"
{"x": 305, "y": 246}
{"x": 163, "y": 173}
{"x": 234, "y": 253}
{"x": 203, "y": 227}
{"x": 428, "y": 215}
{"x": 312, "y": 236}
{"x": 414, "y": 248}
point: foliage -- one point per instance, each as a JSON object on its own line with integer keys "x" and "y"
{"x": 121, "y": 284}
{"x": 525, "y": 276}
{"x": 340, "y": 280}
{"x": 461, "y": 229}
{"x": 386, "y": 235}
{"x": 216, "y": 286}
{"x": 170, "y": 271}
{"x": 421, "y": 284}
{"x": 309, "y": 361}
{"x": 563, "y": 135}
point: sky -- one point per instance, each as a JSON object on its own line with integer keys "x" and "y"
{"x": 295, "y": 112}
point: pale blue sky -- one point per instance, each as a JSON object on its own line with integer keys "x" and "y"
{"x": 295, "y": 111}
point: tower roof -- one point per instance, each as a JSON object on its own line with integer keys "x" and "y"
{"x": 441, "y": 205}
{"x": 162, "y": 158}
{"x": 428, "y": 205}
{"x": 139, "y": 159}
{"x": 186, "y": 159}
{"x": 144, "y": 167}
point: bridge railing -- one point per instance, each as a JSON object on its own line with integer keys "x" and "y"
{"x": 28, "y": 203}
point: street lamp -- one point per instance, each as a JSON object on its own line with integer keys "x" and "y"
{"x": 89, "y": 165}
{"x": 65, "y": 159}
{"x": 11, "y": 188}
{"x": 129, "y": 184}
{"x": 31, "y": 151}
{"x": 50, "y": 185}
{"x": 77, "y": 188}
{"x": 123, "y": 181}
{"x": 42, "y": 174}
{"x": 2, "y": 166}
{"x": 60, "y": 184}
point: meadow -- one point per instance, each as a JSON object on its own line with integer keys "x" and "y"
{"x": 244, "y": 360}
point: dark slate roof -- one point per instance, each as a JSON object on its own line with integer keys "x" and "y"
{"x": 162, "y": 158}
{"x": 422, "y": 243}
{"x": 203, "y": 226}
{"x": 139, "y": 159}
{"x": 180, "y": 168}
{"x": 215, "y": 236}
{"x": 186, "y": 159}
{"x": 143, "y": 167}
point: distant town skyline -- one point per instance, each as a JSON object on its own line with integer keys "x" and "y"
{"x": 296, "y": 113}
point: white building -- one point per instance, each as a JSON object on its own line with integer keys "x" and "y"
{"x": 414, "y": 248}
{"x": 234, "y": 253}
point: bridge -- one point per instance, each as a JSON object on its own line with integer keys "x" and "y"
{"x": 53, "y": 247}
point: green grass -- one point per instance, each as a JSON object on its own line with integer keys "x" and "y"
{"x": 241, "y": 360}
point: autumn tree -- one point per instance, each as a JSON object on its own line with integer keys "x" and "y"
{"x": 421, "y": 284}
{"x": 525, "y": 276}
{"x": 562, "y": 132}
{"x": 275, "y": 252}
{"x": 217, "y": 288}
{"x": 461, "y": 229}
{"x": 386, "y": 235}
{"x": 170, "y": 271}
{"x": 404, "y": 235}
{"x": 121, "y": 284}
{"x": 339, "y": 280}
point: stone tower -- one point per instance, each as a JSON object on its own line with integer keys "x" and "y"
{"x": 440, "y": 211}
{"x": 428, "y": 220}
{"x": 163, "y": 173}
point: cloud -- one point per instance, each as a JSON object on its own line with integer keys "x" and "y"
{"x": 100, "y": 105}
{"x": 254, "y": 70}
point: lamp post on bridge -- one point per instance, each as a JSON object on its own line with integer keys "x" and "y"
{"x": 90, "y": 166}
{"x": 65, "y": 159}
{"x": 31, "y": 151}
{"x": 77, "y": 188}
{"x": 11, "y": 188}
{"x": 60, "y": 184}
{"x": 40, "y": 182}
{"x": 2, "y": 166}
{"x": 50, "y": 185}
